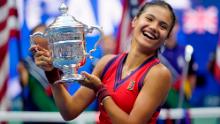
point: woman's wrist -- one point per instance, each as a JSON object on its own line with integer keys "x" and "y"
{"x": 53, "y": 75}
{"x": 104, "y": 99}
{"x": 102, "y": 93}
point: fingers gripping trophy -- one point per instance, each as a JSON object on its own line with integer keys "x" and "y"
{"x": 66, "y": 38}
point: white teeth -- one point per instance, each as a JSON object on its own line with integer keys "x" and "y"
{"x": 149, "y": 35}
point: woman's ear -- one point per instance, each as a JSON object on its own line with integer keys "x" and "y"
{"x": 133, "y": 21}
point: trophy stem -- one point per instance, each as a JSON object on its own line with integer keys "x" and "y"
{"x": 70, "y": 75}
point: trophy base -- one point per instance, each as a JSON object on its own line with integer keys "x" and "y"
{"x": 70, "y": 78}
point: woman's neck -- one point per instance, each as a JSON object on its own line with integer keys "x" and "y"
{"x": 135, "y": 59}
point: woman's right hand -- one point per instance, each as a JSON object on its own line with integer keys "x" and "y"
{"x": 42, "y": 57}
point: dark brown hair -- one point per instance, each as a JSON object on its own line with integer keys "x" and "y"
{"x": 37, "y": 27}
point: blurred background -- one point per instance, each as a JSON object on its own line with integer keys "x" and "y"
{"x": 198, "y": 26}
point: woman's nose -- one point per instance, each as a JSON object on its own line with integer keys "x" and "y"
{"x": 153, "y": 26}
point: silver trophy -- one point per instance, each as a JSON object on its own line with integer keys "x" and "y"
{"x": 66, "y": 38}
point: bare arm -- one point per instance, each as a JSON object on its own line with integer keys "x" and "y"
{"x": 151, "y": 96}
{"x": 71, "y": 106}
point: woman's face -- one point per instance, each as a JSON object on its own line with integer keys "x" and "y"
{"x": 39, "y": 40}
{"x": 151, "y": 28}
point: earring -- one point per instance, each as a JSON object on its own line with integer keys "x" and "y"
{"x": 162, "y": 47}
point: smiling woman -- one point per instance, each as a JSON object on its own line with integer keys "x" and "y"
{"x": 121, "y": 95}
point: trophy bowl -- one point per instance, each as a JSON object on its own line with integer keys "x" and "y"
{"x": 66, "y": 39}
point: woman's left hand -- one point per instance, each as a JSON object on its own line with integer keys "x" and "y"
{"x": 91, "y": 81}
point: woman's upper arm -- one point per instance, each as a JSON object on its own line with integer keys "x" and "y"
{"x": 153, "y": 93}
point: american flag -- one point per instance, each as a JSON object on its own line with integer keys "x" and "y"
{"x": 130, "y": 8}
{"x": 8, "y": 29}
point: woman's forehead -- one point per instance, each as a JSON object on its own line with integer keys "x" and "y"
{"x": 159, "y": 12}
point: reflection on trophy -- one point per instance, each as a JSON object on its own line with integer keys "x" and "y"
{"x": 66, "y": 37}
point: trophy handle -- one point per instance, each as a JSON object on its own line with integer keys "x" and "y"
{"x": 90, "y": 30}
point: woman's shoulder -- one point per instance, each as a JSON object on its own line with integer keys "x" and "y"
{"x": 160, "y": 70}
{"x": 102, "y": 63}
{"x": 106, "y": 58}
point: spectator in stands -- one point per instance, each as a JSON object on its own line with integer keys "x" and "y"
{"x": 36, "y": 92}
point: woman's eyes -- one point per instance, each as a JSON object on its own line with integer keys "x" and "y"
{"x": 164, "y": 26}
{"x": 149, "y": 19}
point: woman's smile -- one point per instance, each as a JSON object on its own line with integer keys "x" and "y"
{"x": 150, "y": 34}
